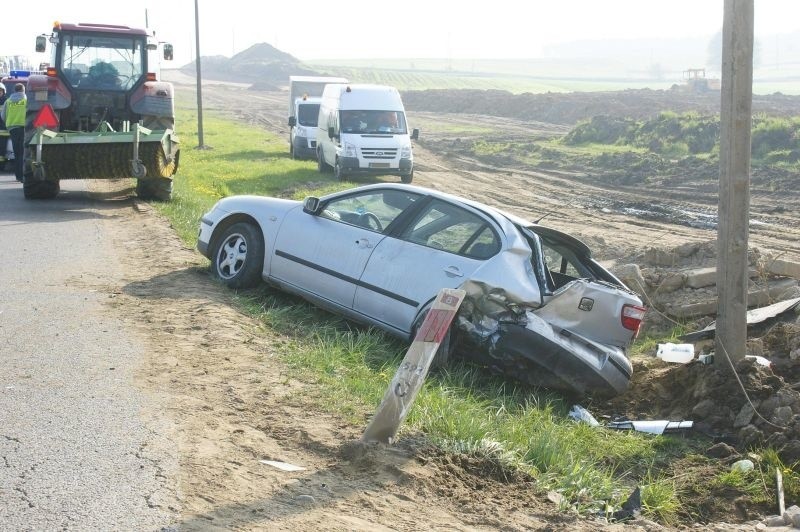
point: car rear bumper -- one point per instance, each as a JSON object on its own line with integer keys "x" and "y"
{"x": 540, "y": 354}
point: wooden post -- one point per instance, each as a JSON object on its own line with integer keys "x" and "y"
{"x": 734, "y": 179}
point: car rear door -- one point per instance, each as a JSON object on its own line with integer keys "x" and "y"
{"x": 440, "y": 248}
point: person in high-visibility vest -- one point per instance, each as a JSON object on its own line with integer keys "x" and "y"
{"x": 13, "y": 113}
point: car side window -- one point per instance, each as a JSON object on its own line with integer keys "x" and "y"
{"x": 373, "y": 210}
{"x": 453, "y": 229}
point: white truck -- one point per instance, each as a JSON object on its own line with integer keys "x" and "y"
{"x": 304, "y": 100}
{"x": 362, "y": 130}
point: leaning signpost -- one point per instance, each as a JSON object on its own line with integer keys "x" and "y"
{"x": 411, "y": 374}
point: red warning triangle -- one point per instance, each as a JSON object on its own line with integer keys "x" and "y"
{"x": 46, "y": 117}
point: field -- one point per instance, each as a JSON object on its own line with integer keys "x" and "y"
{"x": 631, "y": 204}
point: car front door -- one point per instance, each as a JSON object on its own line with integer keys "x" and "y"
{"x": 440, "y": 248}
{"x": 325, "y": 254}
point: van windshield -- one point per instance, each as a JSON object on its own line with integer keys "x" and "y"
{"x": 373, "y": 122}
{"x": 308, "y": 114}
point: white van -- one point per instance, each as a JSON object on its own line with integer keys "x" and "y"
{"x": 362, "y": 130}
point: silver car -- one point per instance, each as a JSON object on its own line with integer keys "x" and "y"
{"x": 538, "y": 307}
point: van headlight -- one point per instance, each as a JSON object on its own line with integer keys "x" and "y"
{"x": 301, "y": 132}
{"x": 349, "y": 150}
{"x": 405, "y": 152}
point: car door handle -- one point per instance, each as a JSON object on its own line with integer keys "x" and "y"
{"x": 452, "y": 271}
{"x": 363, "y": 243}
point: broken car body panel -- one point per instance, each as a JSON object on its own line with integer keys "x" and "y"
{"x": 538, "y": 307}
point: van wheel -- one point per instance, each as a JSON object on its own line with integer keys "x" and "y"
{"x": 291, "y": 148}
{"x": 407, "y": 178}
{"x": 321, "y": 166}
{"x": 337, "y": 171}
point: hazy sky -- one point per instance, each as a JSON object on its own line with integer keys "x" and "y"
{"x": 314, "y": 29}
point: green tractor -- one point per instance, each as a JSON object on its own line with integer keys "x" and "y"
{"x": 99, "y": 111}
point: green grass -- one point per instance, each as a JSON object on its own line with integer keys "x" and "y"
{"x": 463, "y": 410}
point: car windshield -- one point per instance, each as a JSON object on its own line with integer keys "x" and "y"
{"x": 102, "y": 62}
{"x": 373, "y": 122}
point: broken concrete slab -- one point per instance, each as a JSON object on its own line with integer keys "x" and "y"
{"x": 782, "y": 267}
{"x": 703, "y": 277}
{"x": 754, "y": 316}
{"x": 755, "y": 298}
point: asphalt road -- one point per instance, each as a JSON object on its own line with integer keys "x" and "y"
{"x": 81, "y": 447}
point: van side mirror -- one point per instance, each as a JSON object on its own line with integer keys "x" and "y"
{"x": 331, "y": 132}
{"x": 41, "y": 43}
{"x": 414, "y": 134}
{"x": 311, "y": 205}
{"x": 292, "y": 121}
{"x": 168, "y": 52}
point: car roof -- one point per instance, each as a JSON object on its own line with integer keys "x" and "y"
{"x": 498, "y": 215}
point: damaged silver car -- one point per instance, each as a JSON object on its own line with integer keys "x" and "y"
{"x": 538, "y": 307}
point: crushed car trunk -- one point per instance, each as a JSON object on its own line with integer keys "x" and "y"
{"x": 520, "y": 343}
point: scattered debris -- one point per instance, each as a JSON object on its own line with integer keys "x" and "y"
{"x": 678, "y": 353}
{"x": 779, "y": 490}
{"x": 283, "y": 466}
{"x": 580, "y": 414}
{"x": 759, "y": 360}
{"x": 652, "y": 427}
{"x": 743, "y": 466}
{"x": 630, "y": 508}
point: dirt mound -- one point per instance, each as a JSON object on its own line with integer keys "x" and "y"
{"x": 569, "y": 108}
{"x": 261, "y": 63}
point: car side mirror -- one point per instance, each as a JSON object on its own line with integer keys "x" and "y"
{"x": 292, "y": 121}
{"x": 168, "y": 52}
{"x": 41, "y": 43}
{"x": 311, "y": 205}
{"x": 331, "y": 132}
{"x": 414, "y": 134}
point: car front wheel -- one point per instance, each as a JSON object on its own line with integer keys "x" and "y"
{"x": 238, "y": 256}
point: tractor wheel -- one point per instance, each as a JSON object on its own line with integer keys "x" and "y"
{"x": 33, "y": 189}
{"x": 159, "y": 189}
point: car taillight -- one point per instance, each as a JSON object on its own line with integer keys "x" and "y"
{"x": 632, "y": 317}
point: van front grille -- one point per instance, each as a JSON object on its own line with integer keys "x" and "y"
{"x": 379, "y": 153}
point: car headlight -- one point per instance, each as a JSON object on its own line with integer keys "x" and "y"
{"x": 301, "y": 132}
{"x": 405, "y": 152}
{"x": 349, "y": 150}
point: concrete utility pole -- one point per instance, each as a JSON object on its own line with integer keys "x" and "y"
{"x": 200, "y": 144}
{"x": 734, "y": 179}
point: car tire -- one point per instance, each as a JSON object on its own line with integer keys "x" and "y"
{"x": 237, "y": 255}
{"x": 291, "y": 148}
{"x": 407, "y": 178}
